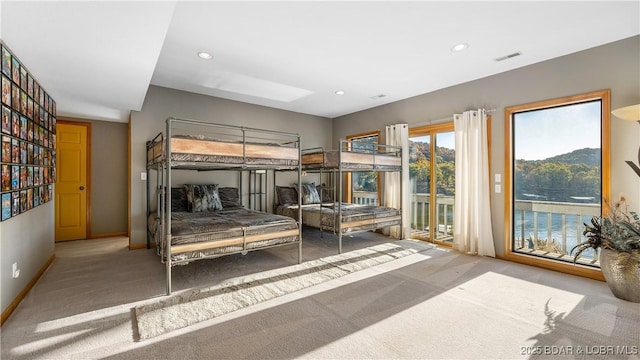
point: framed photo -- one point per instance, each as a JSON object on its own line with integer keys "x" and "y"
{"x": 15, "y": 177}
{"x": 30, "y": 153}
{"x": 30, "y": 131}
{"x": 53, "y": 124}
{"x": 15, "y": 97}
{"x": 45, "y": 140}
{"x": 24, "y": 156}
{"x": 37, "y": 158}
{"x": 6, "y": 90}
{"x": 15, "y": 151}
{"x": 15, "y": 70}
{"x": 6, "y": 149}
{"x": 50, "y": 192}
{"x": 23, "y": 102}
{"x": 6, "y": 61}
{"x": 29, "y": 176}
{"x": 36, "y": 113}
{"x": 36, "y": 91}
{"x": 23, "y": 127}
{"x": 40, "y": 135}
{"x": 29, "y": 85}
{"x": 29, "y": 199}
{"x": 30, "y": 108}
{"x": 23, "y": 201}
{"x": 23, "y": 176}
{"x": 6, "y": 120}
{"x": 41, "y": 99}
{"x": 43, "y": 195}
{"x": 37, "y": 176}
{"x": 6, "y": 177}
{"x": 36, "y": 197}
{"x": 6, "y": 206}
{"x": 45, "y": 176}
{"x": 15, "y": 124}
{"x": 15, "y": 203}
{"x": 23, "y": 78}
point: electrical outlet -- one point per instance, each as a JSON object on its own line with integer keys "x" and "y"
{"x": 16, "y": 271}
{"x": 498, "y": 188}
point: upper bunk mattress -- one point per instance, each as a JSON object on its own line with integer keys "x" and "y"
{"x": 331, "y": 159}
{"x": 198, "y": 149}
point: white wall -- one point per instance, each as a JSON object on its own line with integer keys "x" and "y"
{"x": 614, "y": 66}
{"x": 161, "y": 103}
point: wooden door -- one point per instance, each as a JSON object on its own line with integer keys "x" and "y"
{"x": 71, "y": 182}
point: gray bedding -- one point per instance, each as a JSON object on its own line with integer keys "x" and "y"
{"x": 223, "y": 232}
{"x": 354, "y": 217}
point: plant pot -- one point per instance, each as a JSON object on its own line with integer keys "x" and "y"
{"x": 621, "y": 270}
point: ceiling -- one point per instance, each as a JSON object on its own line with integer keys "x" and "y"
{"x": 98, "y": 59}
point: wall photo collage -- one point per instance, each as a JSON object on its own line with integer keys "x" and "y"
{"x": 28, "y": 139}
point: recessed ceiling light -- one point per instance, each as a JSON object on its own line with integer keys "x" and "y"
{"x": 460, "y": 47}
{"x": 205, "y": 55}
{"x": 339, "y": 92}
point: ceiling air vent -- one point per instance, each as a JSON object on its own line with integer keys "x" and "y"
{"x": 501, "y": 58}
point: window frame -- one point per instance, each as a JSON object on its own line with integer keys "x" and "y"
{"x": 347, "y": 187}
{"x": 605, "y": 129}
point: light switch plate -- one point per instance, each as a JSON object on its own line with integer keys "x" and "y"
{"x": 498, "y": 188}
{"x": 143, "y": 176}
{"x": 498, "y": 178}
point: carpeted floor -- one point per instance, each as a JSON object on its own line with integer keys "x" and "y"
{"x": 434, "y": 304}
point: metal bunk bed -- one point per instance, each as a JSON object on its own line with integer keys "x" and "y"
{"x": 345, "y": 218}
{"x": 238, "y": 230}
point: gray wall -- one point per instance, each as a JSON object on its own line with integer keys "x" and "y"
{"x": 161, "y": 103}
{"x": 109, "y": 168}
{"x": 614, "y": 66}
{"x": 27, "y": 239}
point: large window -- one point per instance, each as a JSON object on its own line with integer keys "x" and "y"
{"x": 557, "y": 177}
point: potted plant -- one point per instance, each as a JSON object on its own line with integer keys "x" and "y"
{"x": 617, "y": 235}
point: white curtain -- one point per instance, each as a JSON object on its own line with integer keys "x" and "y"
{"x": 472, "y": 215}
{"x": 396, "y": 185}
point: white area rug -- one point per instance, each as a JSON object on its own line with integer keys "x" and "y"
{"x": 193, "y": 306}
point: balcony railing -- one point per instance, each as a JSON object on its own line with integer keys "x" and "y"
{"x": 544, "y": 228}
{"x": 551, "y": 229}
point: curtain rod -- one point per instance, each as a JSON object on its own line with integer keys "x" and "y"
{"x": 449, "y": 118}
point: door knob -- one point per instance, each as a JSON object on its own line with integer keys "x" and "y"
{"x": 81, "y": 187}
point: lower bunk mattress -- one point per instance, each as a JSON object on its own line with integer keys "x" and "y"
{"x": 196, "y": 235}
{"x": 353, "y": 217}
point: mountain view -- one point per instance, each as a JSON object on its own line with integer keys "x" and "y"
{"x": 569, "y": 177}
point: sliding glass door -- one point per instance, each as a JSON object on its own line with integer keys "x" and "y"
{"x": 432, "y": 182}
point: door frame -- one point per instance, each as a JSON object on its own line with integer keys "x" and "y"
{"x": 87, "y": 125}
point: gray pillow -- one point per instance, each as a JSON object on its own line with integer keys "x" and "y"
{"x": 203, "y": 197}
{"x": 287, "y": 195}
{"x": 179, "y": 199}
{"x": 310, "y": 194}
{"x": 325, "y": 194}
{"x": 230, "y": 197}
